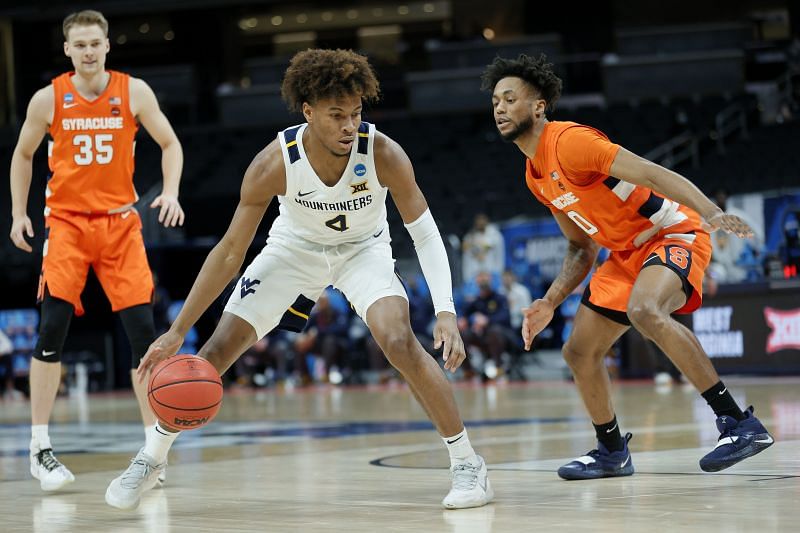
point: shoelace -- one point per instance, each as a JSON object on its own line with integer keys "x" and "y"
{"x": 136, "y": 473}
{"x": 48, "y": 460}
{"x": 465, "y": 476}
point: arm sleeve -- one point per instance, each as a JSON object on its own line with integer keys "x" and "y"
{"x": 433, "y": 260}
{"x": 585, "y": 154}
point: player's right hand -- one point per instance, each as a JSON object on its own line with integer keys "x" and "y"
{"x": 20, "y": 227}
{"x": 535, "y": 319}
{"x": 162, "y": 348}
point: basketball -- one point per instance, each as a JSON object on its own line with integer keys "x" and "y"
{"x": 185, "y": 392}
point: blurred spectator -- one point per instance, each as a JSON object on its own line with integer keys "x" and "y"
{"x": 190, "y": 340}
{"x": 734, "y": 260}
{"x": 319, "y": 349}
{"x": 484, "y": 249}
{"x": 518, "y": 297}
{"x": 724, "y": 266}
{"x": 262, "y": 364}
{"x": 486, "y": 328}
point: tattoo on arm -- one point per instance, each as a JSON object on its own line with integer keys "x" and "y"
{"x": 577, "y": 264}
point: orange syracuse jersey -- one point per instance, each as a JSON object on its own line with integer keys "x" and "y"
{"x": 570, "y": 173}
{"x": 91, "y": 151}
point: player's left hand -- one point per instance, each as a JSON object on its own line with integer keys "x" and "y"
{"x": 728, "y": 223}
{"x": 447, "y": 336}
{"x": 171, "y": 213}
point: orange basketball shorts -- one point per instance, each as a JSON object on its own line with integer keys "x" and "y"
{"x": 688, "y": 254}
{"x": 111, "y": 244}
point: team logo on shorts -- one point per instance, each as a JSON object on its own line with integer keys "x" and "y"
{"x": 248, "y": 286}
{"x": 359, "y": 187}
{"x": 360, "y": 169}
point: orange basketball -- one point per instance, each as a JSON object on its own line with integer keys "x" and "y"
{"x": 185, "y": 391}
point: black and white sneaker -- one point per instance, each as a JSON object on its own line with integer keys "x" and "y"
{"x": 52, "y": 475}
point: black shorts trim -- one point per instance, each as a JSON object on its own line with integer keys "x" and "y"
{"x": 617, "y": 316}
{"x": 688, "y": 290}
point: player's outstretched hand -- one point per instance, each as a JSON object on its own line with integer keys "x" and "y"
{"x": 728, "y": 223}
{"x": 171, "y": 213}
{"x": 447, "y": 336}
{"x": 20, "y": 227}
{"x": 535, "y": 319}
{"x": 162, "y": 348}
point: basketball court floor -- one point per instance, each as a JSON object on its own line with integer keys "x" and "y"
{"x": 367, "y": 460}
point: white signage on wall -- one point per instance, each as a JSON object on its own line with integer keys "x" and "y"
{"x": 712, "y": 326}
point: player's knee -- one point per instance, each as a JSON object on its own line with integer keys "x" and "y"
{"x": 573, "y": 357}
{"x": 56, "y": 316}
{"x": 398, "y": 346}
{"x": 581, "y": 360}
{"x": 646, "y": 317}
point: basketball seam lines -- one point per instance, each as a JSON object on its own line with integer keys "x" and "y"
{"x": 186, "y": 408}
{"x": 184, "y": 381}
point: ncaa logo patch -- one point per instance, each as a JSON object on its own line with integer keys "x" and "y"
{"x": 360, "y": 169}
{"x": 68, "y": 98}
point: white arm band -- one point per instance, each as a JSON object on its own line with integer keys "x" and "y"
{"x": 433, "y": 260}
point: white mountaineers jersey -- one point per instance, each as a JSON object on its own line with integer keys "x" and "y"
{"x": 351, "y": 211}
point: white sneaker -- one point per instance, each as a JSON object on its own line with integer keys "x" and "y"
{"x": 662, "y": 378}
{"x": 471, "y": 487}
{"x": 52, "y": 475}
{"x": 162, "y": 478}
{"x": 142, "y": 475}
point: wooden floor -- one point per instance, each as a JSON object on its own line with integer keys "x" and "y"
{"x": 367, "y": 460}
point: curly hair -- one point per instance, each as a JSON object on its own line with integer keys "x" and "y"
{"x": 318, "y": 74}
{"x": 535, "y": 71}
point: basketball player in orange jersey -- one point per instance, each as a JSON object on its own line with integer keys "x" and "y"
{"x": 655, "y": 222}
{"x": 332, "y": 175}
{"x": 91, "y": 115}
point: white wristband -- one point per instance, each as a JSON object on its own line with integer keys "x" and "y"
{"x": 433, "y": 260}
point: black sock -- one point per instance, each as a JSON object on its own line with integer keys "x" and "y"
{"x": 721, "y": 401}
{"x": 609, "y": 435}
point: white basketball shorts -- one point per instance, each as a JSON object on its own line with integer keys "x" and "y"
{"x": 363, "y": 271}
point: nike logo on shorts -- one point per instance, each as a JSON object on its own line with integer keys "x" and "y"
{"x": 46, "y": 353}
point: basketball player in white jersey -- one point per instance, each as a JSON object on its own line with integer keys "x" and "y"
{"x": 331, "y": 176}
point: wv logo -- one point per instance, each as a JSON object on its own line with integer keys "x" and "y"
{"x": 247, "y": 286}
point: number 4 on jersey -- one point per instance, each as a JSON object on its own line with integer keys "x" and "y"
{"x": 338, "y": 223}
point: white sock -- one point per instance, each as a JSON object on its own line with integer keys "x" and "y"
{"x": 460, "y": 449}
{"x": 40, "y": 440}
{"x": 158, "y": 442}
